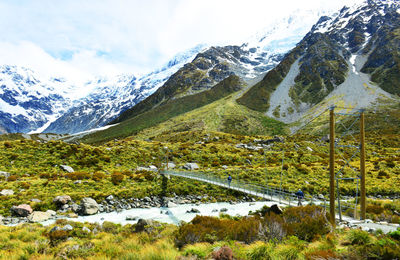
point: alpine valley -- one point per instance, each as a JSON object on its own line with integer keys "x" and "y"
{"x": 223, "y": 153}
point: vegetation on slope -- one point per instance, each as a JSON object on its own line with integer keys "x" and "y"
{"x": 299, "y": 233}
{"x": 168, "y": 110}
{"x": 384, "y": 61}
{"x": 33, "y": 166}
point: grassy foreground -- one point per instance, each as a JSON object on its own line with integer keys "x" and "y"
{"x": 299, "y": 233}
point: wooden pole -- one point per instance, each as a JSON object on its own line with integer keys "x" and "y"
{"x": 332, "y": 166}
{"x": 362, "y": 165}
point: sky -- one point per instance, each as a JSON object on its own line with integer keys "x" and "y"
{"x": 85, "y": 38}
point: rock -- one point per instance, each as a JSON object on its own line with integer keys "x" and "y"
{"x": 276, "y": 209}
{"x": 371, "y": 230}
{"x": 87, "y": 230}
{"x": 224, "y": 167}
{"x": 171, "y": 204}
{"x": 6, "y": 192}
{"x": 223, "y": 253}
{"x": 214, "y": 210}
{"x": 110, "y": 198}
{"x": 51, "y": 212}
{"x": 130, "y": 217}
{"x": 171, "y": 165}
{"x": 67, "y": 227}
{"x": 67, "y": 168}
{"x": 75, "y": 207}
{"x": 39, "y": 216}
{"x": 153, "y": 168}
{"x": 65, "y": 207}
{"x": 223, "y": 210}
{"x": 146, "y": 225}
{"x": 321, "y": 197}
{"x": 22, "y": 210}
{"x": 55, "y": 228}
{"x": 310, "y": 149}
{"x": 191, "y": 166}
{"x": 36, "y": 200}
{"x": 61, "y": 200}
{"x": 193, "y": 210}
{"x": 77, "y": 182}
{"x": 251, "y": 204}
{"x": 72, "y": 215}
{"x": 5, "y": 174}
{"x": 89, "y": 206}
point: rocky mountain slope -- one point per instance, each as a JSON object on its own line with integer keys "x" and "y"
{"x": 351, "y": 59}
{"x": 250, "y": 61}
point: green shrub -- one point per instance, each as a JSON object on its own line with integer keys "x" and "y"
{"x": 117, "y": 178}
{"x": 358, "y": 237}
{"x": 78, "y": 175}
{"x": 98, "y": 176}
{"x": 306, "y": 222}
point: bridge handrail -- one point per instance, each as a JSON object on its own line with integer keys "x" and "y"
{"x": 236, "y": 184}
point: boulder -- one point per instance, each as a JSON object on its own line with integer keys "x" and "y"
{"x": 276, "y": 209}
{"x": 223, "y": 210}
{"x": 193, "y": 210}
{"x": 153, "y": 168}
{"x": 87, "y": 230}
{"x": 5, "y": 174}
{"x": 36, "y": 200}
{"x": 171, "y": 204}
{"x": 171, "y": 165}
{"x": 67, "y": 168}
{"x": 67, "y": 227}
{"x": 6, "y": 192}
{"x": 110, "y": 198}
{"x": 75, "y": 207}
{"x": 146, "y": 225}
{"x": 22, "y": 210}
{"x": 72, "y": 215}
{"x": 39, "y": 216}
{"x": 191, "y": 166}
{"x": 62, "y": 200}
{"x": 51, "y": 212}
{"x": 89, "y": 206}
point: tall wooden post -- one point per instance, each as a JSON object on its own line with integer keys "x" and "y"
{"x": 362, "y": 165}
{"x": 332, "y": 166}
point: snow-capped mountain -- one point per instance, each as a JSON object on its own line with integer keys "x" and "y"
{"x": 27, "y": 101}
{"x": 350, "y": 58}
{"x": 112, "y": 96}
{"x": 31, "y": 103}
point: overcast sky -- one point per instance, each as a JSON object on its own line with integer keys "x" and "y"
{"x": 82, "y": 38}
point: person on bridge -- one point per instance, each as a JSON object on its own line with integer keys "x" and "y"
{"x": 300, "y": 197}
{"x": 229, "y": 180}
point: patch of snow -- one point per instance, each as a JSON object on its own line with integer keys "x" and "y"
{"x": 94, "y": 130}
{"x": 12, "y": 110}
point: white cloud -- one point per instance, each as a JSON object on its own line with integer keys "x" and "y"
{"x": 97, "y": 37}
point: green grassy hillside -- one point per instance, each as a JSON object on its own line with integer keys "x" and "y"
{"x": 212, "y": 110}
